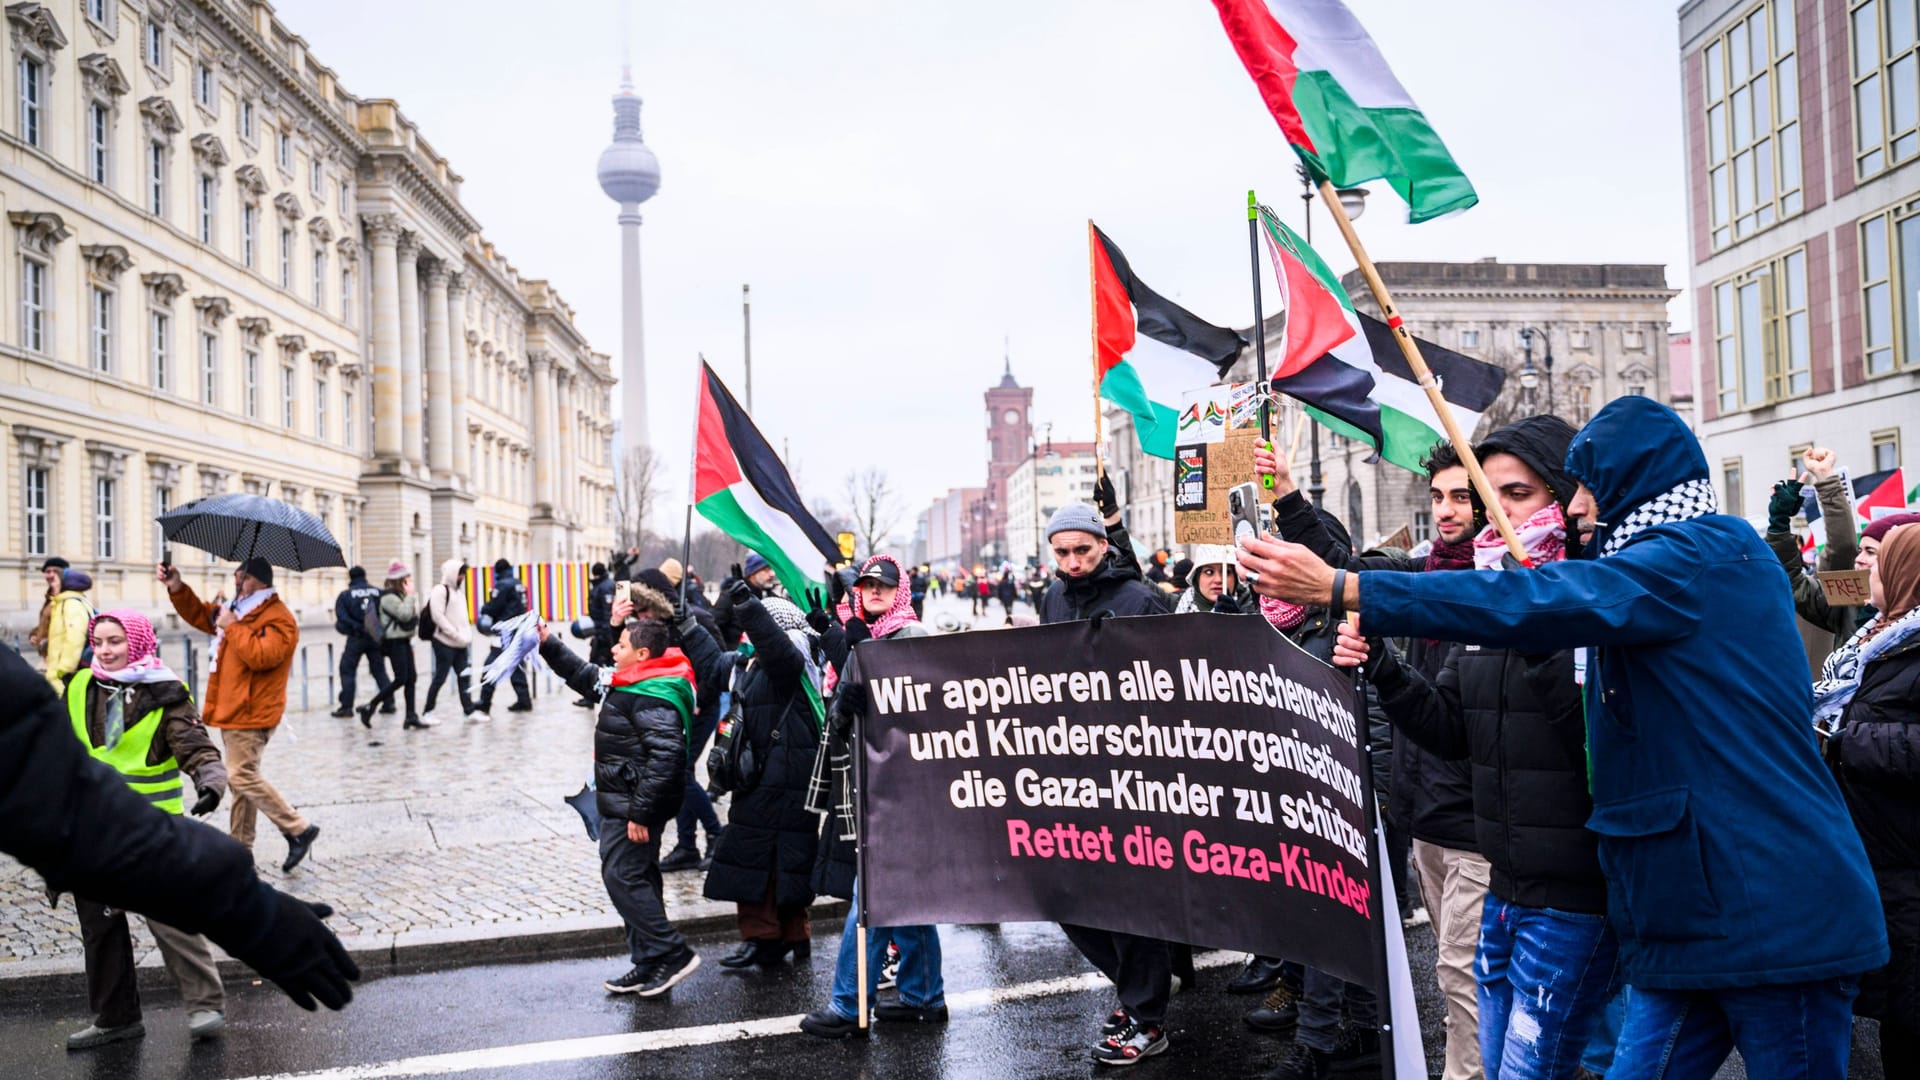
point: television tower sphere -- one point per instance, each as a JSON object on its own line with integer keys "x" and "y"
{"x": 629, "y": 173}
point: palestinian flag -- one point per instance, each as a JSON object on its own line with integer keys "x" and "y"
{"x": 1879, "y": 494}
{"x": 1363, "y": 387}
{"x": 1148, "y": 350}
{"x": 667, "y": 677}
{"x": 1338, "y": 104}
{"x": 740, "y": 485}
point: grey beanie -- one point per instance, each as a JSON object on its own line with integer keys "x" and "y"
{"x": 1076, "y": 517}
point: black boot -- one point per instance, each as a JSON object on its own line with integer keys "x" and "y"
{"x": 753, "y": 951}
{"x": 1278, "y": 1014}
{"x": 1257, "y": 976}
{"x": 680, "y": 858}
{"x": 298, "y": 846}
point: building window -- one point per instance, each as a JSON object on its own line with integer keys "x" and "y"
{"x": 1762, "y": 350}
{"x": 155, "y": 43}
{"x": 1633, "y": 340}
{"x": 99, "y": 143}
{"x": 103, "y": 498}
{"x": 159, "y": 328}
{"x": 97, "y": 12}
{"x": 251, "y": 377}
{"x": 209, "y": 369}
{"x": 36, "y": 504}
{"x": 1886, "y": 450}
{"x": 33, "y": 87}
{"x": 286, "y": 396}
{"x": 207, "y": 199}
{"x": 249, "y": 233}
{"x": 246, "y": 119}
{"x": 346, "y": 417}
{"x": 319, "y": 277}
{"x": 33, "y": 305}
{"x": 1752, "y": 91}
{"x": 1579, "y": 339}
{"x": 344, "y": 193}
{"x": 1469, "y": 339}
{"x": 100, "y": 328}
{"x": 203, "y": 85}
{"x": 283, "y": 152}
{"x": 1732, "y": 486}
{"x": 1889, "y": 266}
{"x": 316, "y": 178}
{"x": 1886, "y": 85}
{"x": 157, "y": 179}
{"x": 1422, "y": 525}
{"x": 286, "y": 258}
{"x": 162, "y": 502}
{"x": 346, "y": 295}
{"x": 320, "y": 407}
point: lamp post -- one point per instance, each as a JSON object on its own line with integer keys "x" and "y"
{"x": 1529, "y": 378}
{"x": 1354, "y": 202}
{"x": 1527, "y": 334}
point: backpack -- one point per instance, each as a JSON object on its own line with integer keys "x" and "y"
{"x": 426, "y": 620}
{"x": 370, "y": 619}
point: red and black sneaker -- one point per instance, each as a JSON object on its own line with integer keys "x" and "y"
{"x": 1116, "y": 1022}
{"x": 1131, "y": 1045}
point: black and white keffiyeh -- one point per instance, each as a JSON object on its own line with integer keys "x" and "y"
{"x": 1685, "y": 502}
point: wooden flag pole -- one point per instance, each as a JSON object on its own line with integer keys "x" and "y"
{"x": 1425, "y": 376}
{"x": 860, "y": 961}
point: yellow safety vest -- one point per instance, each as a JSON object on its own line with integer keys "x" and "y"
{"x": 159, "y": 784}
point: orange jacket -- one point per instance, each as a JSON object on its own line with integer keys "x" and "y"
{"x": 247, "y": 689}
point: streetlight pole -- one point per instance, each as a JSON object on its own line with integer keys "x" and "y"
{"x": 1529, "y": 375}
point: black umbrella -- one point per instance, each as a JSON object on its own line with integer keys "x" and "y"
{"x": 238, "y": 527}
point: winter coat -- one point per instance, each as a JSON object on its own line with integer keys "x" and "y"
{"x": 448, "y": 609}
{"x": 1427, "y": 795}
{"x": 1876, "y": 757}
{"x": 247, "y": 688}
{"x": 770, "y": 835}
{"x": 837, "y": 863}
{"x": 1712, "y": 804}
{"x": 77, "y": 822}
{"x": 182, "y": 737}
{"x": 66, "y": 636}
{"x": 399, "y": 616}
{"x": 1843, "y": 547}
{"x": 508, "y": 599}
{"x": 600, "y": 605}
{"x": 1517, "y": 718}
{"x": 639, "y": 745}
{"x": 350, "y": 608}
{"x": 1112, "y": 587}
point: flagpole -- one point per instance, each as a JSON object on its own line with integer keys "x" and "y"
{"x": 1093, "y": 307}
{"x": 1259, "y": 330}
{"x": 1422, "y": 374}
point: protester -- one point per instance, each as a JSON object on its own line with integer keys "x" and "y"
{"x": 882, "y": 609}
{"x": 760, "y": 579}
{"x": 1213, "y": 582}
{"x": 67, "y": 628}
{"x": 696, "y": 806}
{"x": 78, "y": 823}
{"x": 507, "y": 601}
{"x": 254, "y": 639}
{"x": 350, "y": 621}
{"x": 919, "y": 582}
{"x": 1007, "y": 590}
{"x": 1546, "y": 955}
{"x": 1703, "y": 762}
{"x": 763, "y": 859}
{"x": 1835, "y": 500}
{"x": 1867, "y": 706}
{"x": 399, "y": 616}
{"x": 639, "y": 769}
{"x": 136, "y": 717}
{"x": 51, "y": 570}
{"x": 445, "y": 613}
{"x": 1810, "y": 597}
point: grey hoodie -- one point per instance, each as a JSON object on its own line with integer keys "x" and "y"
{"x": 448, "y": 607}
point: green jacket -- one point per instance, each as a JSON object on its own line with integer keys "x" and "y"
{"x": 1843, "y": 546}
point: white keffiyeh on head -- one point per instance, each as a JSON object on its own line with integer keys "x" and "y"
{"x": 1685, "y": 502}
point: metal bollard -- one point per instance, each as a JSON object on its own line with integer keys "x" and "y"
{"x": 303, "y": 678}
{"x": 332, "y": 672}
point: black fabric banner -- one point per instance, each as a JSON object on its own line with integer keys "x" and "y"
{"x": 1190, "y": 777}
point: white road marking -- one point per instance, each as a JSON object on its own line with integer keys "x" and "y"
{"x": 639, "y": 1042}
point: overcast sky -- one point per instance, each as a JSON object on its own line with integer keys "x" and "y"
{"x": 905, "y": 184}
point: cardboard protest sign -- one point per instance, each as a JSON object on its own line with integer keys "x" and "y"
{"x": 1206, "y": 471}
{"x": 1190, "y": 777}
{"x": 1845, "y": 588}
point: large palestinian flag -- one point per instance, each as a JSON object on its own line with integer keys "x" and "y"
{"x": 741, "y": 486}
{"x": 1148, "y": 350}
{"x": 1363, "y": 387}
{"x": 1338, "y": 103}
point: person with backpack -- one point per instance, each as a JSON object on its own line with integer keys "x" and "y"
{"x": 67, "y": 628}
{"x": 394, "y": 619}
{"x": 444, "y": 625}
{"x": 507, "y": 601}
{"x": 350, "y": 621}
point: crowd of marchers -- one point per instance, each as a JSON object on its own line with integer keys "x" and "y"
{"x": 1605, "y": 776}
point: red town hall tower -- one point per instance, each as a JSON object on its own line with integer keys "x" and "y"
{"x": 1009, "y": 441}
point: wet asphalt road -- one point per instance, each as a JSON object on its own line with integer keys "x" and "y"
{"x": 487, "y": 1014}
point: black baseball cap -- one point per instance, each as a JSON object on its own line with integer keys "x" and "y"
{"x": 882, "y": 570}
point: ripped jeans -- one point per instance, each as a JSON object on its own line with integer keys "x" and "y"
{"x": 1543, "y": 976}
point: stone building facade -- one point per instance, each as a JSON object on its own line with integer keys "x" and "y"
{"x": 224, "y": 272}
{"x": 1054, "y": 474}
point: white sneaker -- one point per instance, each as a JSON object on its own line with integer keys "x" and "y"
{"x": 205, "y": 1023}
{"x": 1420, "y": 917}
{"x": 427, "y": 717}
{"x": 479, "y": 716}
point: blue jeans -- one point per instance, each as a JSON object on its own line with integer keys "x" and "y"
{"x": 1793, "y": 1030}
{"x": 1598, "y": 1058}
{"x": 1544, "y": 976}
{"x": 920, "y": 984}
{"x": 696, "y": 808}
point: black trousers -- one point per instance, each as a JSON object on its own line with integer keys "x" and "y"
{"x": 448, "y": 660}
{"x": 631, "y": 873}
{"x": 1140, "y": 968}
{"x": 399, "y": 653}
{"x": 522, "y": 695}
{"x": 357, "y": 646}
{"x": 112, "y": 986}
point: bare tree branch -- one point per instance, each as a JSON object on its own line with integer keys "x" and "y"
{"x": 636, "y": 493}
{"x": 875, "y": 508}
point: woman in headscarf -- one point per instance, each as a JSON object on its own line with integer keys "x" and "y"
{"x": 1210, "y": 581}
{"x": 1867, "y": 705}
{"x": 763, "y": 859}
{"x": 135, "y": 716}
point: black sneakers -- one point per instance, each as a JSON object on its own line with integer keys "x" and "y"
{"x": 1355, "y": 1050}
{"x": 668, "y": 973}
{"x": 1257, "y": 976}
{"x": 298, "y": 846}
{"x": 630, "y": 983}
{"x": 1131, "y": 1045}
{"x": 680, "y": 858}
{"x": 895, "y": 1012}
{"x": 827, "y": 1024}
{"x": 890, "y": 968}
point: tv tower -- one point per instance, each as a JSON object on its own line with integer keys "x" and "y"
{"x": 630, "y": 174}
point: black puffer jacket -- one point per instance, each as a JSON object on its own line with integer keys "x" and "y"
{"x": 770, "y": 834}
{"x": 1876, "y": 758}
{"x": 1428, "y": 796}
{"x": 1114, "y": 586}
{"x": 639, "y": 745}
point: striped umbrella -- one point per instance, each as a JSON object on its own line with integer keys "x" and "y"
{"x": 238, "y": 527}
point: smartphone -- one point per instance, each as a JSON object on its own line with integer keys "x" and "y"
{"x": 166, "y": 557}
{"x": 622, "y": 590}
{"x": 1243, "y": 510}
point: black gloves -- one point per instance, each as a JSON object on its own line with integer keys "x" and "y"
{"x": 857, "y": 631}
{"x": 739, "y": 591}
{"x": 1783, "y": 505}
{"x": 209, "y": 799}
{"x": 296, "y": 952}
{"x": 1104, "y": 498}
{"x": 735, "y": 573}
{"x": 818, "y": 620}
{"x": 1226, "y": 605}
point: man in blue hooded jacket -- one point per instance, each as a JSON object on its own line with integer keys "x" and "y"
{"x": 1741, "y": 893}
